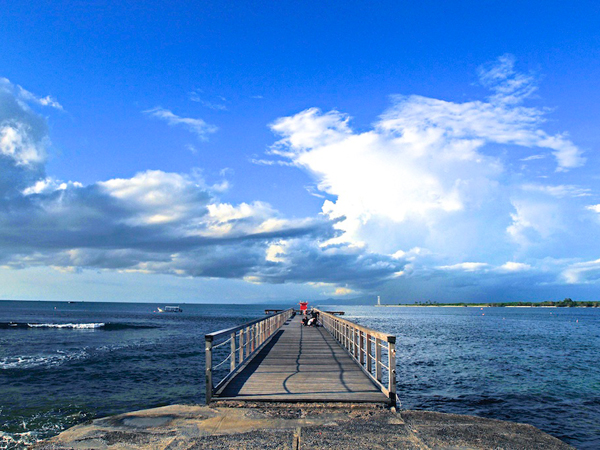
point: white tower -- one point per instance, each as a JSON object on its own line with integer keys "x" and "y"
{"x": 378, "y": 301}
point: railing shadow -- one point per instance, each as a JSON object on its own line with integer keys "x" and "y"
{"x": 253, "y": 364}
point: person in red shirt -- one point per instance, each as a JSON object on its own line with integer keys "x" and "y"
{"x": 303, "y": 307}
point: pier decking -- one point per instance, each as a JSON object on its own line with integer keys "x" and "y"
{"x": 302, "y": 364}
{"x": 296, "y": 363}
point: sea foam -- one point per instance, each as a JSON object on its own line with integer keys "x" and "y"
{"x": 67, "y": 325}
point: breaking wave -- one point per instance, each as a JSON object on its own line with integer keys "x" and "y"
{"x": 75, "y": 326}
{"x": 40, "y": 360}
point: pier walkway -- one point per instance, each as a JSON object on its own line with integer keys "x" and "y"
{"x": 295, "y": 363}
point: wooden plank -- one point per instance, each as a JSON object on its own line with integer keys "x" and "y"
{"x": 302, "y": 364}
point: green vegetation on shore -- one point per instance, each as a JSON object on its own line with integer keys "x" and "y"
{"x": 566, "y": 303}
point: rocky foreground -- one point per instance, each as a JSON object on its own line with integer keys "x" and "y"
{"x": 298, "y": 427}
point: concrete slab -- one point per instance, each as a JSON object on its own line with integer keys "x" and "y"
{"x": 302, "y": 426}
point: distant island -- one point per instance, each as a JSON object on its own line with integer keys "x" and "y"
{"x": 566, "y": 303}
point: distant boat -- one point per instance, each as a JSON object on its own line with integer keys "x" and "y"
{"x": 170, "y": 309}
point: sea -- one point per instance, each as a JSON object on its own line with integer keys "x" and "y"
{"x": 64, "y": 363}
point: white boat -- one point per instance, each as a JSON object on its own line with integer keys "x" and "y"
{"x": 170, "y": 309}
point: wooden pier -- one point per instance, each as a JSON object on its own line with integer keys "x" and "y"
{"x": 277, "y": 359}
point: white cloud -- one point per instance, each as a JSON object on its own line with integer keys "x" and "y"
{"x": 17, "y": 143}
{"x": 533, "y": 157}
{"x": 431, "y": 172}
{"x": 156, "y": 197}
{"x": 196, "y": 96}
{"x": 24, "y": 96}
{"x": 558, "y": 191}
{"x": 270, "y": 162}
{"x": 595, "y": 208}
{"x": 340, "y": 291}
{"x": 49, "y": 185}
{"x": 309, "y": 129}
{"x": 534, "y": 221}
{"x": 44, "y": 101}
{"x": 23, "y": 133}
{"x": 512, "y": 266}
{"x": 582, "y": 273}
{"x": 197, "y": 126}
{"x": 509, "y": 86}
{"x": 466, "y": 267}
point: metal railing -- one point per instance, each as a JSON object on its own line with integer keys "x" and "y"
{"x": 244, "y": 342}
{"x": 374, "y": 351}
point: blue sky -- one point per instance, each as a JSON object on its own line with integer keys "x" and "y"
{"x": 245, "y": 151}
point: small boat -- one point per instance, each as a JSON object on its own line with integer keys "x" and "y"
{"x": 170, "y": 309}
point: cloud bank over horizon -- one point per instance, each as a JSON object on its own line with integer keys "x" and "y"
{"x": 436, "y": 195}
{"x": 158, "y": 223}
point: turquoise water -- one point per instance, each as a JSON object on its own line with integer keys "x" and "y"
{"x": 62, "y": 363}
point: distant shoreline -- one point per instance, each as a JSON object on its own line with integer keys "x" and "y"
{"x": 477, "y": 306}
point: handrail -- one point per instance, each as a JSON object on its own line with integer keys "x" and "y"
{"x": 359, "y": 342}
{"x": 244, "y": 342}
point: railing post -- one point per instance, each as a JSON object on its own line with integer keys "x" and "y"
{"x": 208, "y": 371}
{"x": 392, "y": 363}
{"x": 232, "y": 357}
{"x": 247, "y": 341}
{"x": 361, "y": 347}
{"x": 368, "y": 354}
{"x": 346, "y": 337}
{"x": 378, "y": 371}
{"x": 241, "y": 345}
{"x": 262, "y": 332}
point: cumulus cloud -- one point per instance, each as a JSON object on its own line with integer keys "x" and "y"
{"x": 430, "y": 169}
{"x": 441, "y": 176}
{"x": 197, "y": 126}
{"x": 157, "y": 222}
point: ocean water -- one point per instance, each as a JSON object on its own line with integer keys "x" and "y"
{"x": 64, "y": 363}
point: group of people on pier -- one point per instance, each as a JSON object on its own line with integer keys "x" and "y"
{"x": 310, "y": 319}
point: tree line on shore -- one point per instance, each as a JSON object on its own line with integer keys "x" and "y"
{"x": 566, "y": 303}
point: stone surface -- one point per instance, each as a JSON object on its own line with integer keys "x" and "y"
{"x": 303, "y": 426}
